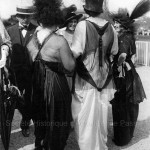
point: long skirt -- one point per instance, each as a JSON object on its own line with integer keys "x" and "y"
{"x": 125, "y": 116}
{"x": 125, "y": 109}
{"x": 90, "y": 112}
{"x": 51, "y": 106}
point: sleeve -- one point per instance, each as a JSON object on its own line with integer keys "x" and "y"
{"x": 78, "y": 43}
{"x": 114, "y": 49}
{"x": 124, "y": 45}
{"x": 5, "y": 38}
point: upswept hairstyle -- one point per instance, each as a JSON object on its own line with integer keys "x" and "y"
{"x": 48, "y": 12}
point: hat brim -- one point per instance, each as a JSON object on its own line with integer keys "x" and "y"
{"x": 71, "y": 18}
{"x": 25, "y": 10}
{"x": 124, "y": 23}
{"x": 19, "y": 13}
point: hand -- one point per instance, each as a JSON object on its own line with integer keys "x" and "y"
{"x": 14, "y": 90}
{"x": 5, "y": 48}
{"x": 127, "y": 66}
{"x": 119, "y": 68}
{"x": 2, "y": 63}
{"x": 4, "y": 53}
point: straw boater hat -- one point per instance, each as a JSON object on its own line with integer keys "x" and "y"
{"x": 94, "y": 5}
{"x": 25, "y": 10}
{"x": 25, "y": 7}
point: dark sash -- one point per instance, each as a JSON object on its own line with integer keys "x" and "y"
{"x": 82, "y": 71}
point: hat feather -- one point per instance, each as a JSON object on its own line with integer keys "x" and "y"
{"x": 141, "y": 8}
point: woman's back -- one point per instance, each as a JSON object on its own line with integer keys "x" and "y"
{"x": 53, "y": 48}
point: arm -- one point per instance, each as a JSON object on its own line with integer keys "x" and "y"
{"x": 5, "y": 38}
{"x": 114, "y": 49}
{"x": 114, "y": 46}
{"x": 5, "y": 45}
{"x": 79, "y": 37}
{"x": 122, "y": 58}
{"x": 66, "y": 55}
{"x": 123, "y": 50}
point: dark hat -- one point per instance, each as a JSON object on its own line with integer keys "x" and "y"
{"x": 125, "y": 22}
{"x": 94, "y": 5}
{"x": 123, "y": 18}
{"x": 70, "y": 17}
{"x": 25, "y": 10}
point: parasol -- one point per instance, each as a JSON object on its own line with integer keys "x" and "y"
{"x": 8, "y": 98}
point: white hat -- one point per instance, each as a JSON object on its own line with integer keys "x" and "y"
{"x": 25, "y": 7}
{"x": 25, "y": 10}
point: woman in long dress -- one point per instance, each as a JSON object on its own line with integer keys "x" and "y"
{"x": 67, "y": 31}
{"x": 90, "y": 105}
{"x": 130, "y": 91}
{"x": 51, "y": 101}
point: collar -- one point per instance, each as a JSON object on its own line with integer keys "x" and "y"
{"x": 23, "y": 27}
{"x": 99, "y": 21}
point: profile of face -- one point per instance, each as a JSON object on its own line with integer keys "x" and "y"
{"x": 72, "y": 25}
{"x": 23, "y": 19}
{"x": 118, "y": 26}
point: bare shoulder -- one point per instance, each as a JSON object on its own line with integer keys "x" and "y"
{"x": 59, "y": 40}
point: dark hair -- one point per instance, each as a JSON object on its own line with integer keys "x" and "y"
{"x": 91, "y": 13}
{"x": 48, "y": 12}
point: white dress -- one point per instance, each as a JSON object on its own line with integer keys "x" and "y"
{"x": 90, "y": 107}
{"x": 68, "y": 36}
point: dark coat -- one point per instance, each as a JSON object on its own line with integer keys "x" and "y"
{"x": 19, "y": 50}
{"x": 19, "y": 56}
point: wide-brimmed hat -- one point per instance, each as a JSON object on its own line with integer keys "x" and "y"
{"x": 124, "y": 21}
{"x": 123, "y": 18}
{"x": 25, "y": 10}
{"x": 94, "y": 5}
{"x": 70, "y": 17}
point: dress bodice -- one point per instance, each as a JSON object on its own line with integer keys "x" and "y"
{"x": 46, "y": 52}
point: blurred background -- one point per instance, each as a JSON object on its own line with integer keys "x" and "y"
{"x": 8, "y": 11}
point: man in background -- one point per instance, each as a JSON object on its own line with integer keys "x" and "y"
{"x": 20, "y": 34}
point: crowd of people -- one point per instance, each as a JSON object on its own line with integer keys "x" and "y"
{"x": 69, "y": 68}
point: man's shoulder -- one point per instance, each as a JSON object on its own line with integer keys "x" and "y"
{"x": 12, "y": 27}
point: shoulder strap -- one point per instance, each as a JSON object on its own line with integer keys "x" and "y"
{"x": 82, "y": 70}
{"x": 100, "y": 31}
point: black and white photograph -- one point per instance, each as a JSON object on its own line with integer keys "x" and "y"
{"x": 74, "y": 74}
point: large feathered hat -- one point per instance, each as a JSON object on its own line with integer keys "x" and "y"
{"x": 125, "y": 19}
